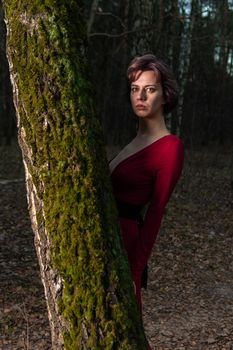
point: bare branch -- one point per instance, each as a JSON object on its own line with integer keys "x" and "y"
{"x": 111, "y": 15}
{"x": 146, "y": 28}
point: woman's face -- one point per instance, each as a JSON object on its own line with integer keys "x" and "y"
{"x": 146, "y": 95}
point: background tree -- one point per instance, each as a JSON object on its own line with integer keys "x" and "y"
{"x": 7, "y": 111}
{"x": 83, "y": 267}
{"x": 207, "y": 101}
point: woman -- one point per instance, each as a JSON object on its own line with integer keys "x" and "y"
{"x": 146, "y": 171}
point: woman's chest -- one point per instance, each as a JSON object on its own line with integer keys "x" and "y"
{"x": 134, "y": 174}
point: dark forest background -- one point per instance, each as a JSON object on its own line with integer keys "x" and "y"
{"x": 194, "y": 37}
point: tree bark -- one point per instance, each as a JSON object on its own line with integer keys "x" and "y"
{"x": 84, "y": 269}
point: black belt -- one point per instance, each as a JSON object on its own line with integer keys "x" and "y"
{"x": 133, "y": 211}
{"x": 129, "y": 211}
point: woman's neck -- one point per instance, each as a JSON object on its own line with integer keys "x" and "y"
{"x": 152, "y": 128}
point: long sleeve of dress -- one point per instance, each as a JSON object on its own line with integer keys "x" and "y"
{"x": 165, "y": 178}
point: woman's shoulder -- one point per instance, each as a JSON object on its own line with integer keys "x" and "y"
{"x": 173, "y": 138}
{"x": 169, "y": 150}
{"x": 170, "y": 141}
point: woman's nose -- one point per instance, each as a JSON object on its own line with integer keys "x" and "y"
{"x": 141, "y": 95}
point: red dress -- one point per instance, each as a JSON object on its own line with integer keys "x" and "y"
{"x": 146, "y": 177}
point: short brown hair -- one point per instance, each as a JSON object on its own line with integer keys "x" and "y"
{"x": 163, "y": 74}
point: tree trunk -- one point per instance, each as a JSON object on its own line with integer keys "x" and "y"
{"x": 141, "y": 17}
{"x": 91, "y": 19}
{"x": 7, "y": 112}
{"x": 184, "y": 59}
{"x": 84, "y": 269}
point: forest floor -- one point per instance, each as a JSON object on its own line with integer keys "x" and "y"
{"x": 189, "y": 301}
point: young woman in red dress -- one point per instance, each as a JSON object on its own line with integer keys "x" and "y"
{"x": 146, "y": 171}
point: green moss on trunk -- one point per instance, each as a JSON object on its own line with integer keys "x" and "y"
{"x": 47, "y": 48}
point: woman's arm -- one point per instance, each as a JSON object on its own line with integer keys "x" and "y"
{"x": 164, "y": 183}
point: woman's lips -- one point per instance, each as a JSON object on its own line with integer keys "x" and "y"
{"x": 140, "y": 107}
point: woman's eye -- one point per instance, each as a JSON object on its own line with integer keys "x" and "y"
{"x": 134, "y": 89}
{"x": 150, "y": 89}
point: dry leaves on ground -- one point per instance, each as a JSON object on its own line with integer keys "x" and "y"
{"x": 189, "y": 301}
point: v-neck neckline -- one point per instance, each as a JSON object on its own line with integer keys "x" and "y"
{"x": 137, "y": 152}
